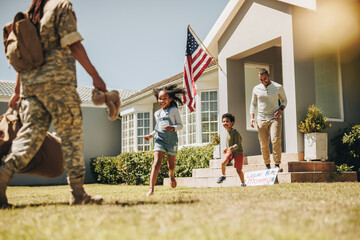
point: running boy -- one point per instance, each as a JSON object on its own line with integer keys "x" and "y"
{"x": 168, "y": 122}
{"x": 233, "y": 150}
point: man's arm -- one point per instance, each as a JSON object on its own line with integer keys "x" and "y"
{"x": 253, "y": 106}
{"x": 283, "y": 103}
{"x": 79, "y": 53}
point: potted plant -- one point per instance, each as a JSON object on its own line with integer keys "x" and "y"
{"x": 315, "y": 142}
{"x": 215, "y": 142}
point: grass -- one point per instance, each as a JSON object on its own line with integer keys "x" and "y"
{"x": 285, "y": 211}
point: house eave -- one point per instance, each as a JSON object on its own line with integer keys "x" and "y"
{"x": 229, "y": 12}
{"x": 148, "y": 93}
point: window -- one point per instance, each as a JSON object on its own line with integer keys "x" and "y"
{"x": 251, "y": 80}
{"x": 128, "y": 133}
{"x": 143, "y": 128}
{"x": 328, "y": 86}
{"x": 187, "y": 135}
{"x": 209, "y": 115}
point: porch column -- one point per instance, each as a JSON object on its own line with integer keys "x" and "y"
{"x": 292, "y": 135}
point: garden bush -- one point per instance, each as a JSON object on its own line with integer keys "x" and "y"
{"x": 347, "y": 147}
{"x": 315, "y": 121}
{"x": 134, "y": 168}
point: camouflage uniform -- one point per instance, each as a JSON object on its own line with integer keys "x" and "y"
{"x": 49, "y": 94}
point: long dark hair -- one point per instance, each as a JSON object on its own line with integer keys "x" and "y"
{"x": 36, "y": 11}
{"x": 173, "y": 91}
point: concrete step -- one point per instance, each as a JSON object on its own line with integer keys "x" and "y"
{"x": 234, "y": 181}
{"x": 202, "y": 182}
{"x": 285, "y": 157}
{"x": 230, "y": 170}
{"x": 290, "y": 177}
{"x": 287, "y": 167}
{"x": 181, "y": 182}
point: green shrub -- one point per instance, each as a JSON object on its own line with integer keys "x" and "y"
{"x": 106, "y": 170}
{"x": 347, "y": 148}
{"x": 315, "y": 121}
{"x": 134, "y": 168}
{"x": 189, "y": 158}
{"x": 352, "y": 141}
{"x": 343, "y": 168}
{"x": 215, "y": 139}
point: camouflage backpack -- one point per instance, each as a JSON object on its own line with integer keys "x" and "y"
{"x": 22, "y": 43}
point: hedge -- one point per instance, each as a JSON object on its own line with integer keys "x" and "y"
{"x": 347, "y": 148}
{"x": 134, "y": 168}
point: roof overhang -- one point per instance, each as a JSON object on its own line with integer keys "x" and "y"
{"x": 226, "y": 17}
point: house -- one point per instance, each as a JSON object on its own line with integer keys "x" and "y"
{"x": 316, "y": 58}
{"x": 137, "y": 112}
{"x": 102, "y": 137}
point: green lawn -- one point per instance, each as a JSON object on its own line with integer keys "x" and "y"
{"x": 285, "y": 211}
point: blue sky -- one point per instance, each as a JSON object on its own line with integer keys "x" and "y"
{"x": 132, "y": 43}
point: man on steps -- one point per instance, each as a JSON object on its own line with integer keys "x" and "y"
{"x": 270, "y": 101}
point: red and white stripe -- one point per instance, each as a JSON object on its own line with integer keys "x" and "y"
{"x": 194, "y": 66}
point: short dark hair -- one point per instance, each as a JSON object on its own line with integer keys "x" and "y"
{"x": 229, "y": 116}
{"x": 263, "y": 71}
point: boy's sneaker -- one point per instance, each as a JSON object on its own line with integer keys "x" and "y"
{"x": 243, "y": 185}
{"x": 278, "y": 166}
{"x": 221, "y": 179}
{"x": 268, "y": 166}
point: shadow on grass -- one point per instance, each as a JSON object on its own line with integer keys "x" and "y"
{"x": 21, "y": 206}
{"x": 137, "y": 203}
{"x": 117, "y": 203}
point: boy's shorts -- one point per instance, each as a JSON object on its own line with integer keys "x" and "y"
{"x": 238, "y": 159}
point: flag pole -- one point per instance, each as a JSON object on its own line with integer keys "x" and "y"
{"x": 205, "y": 48}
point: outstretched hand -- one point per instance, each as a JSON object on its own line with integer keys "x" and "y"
{"x": 148, "y": 137}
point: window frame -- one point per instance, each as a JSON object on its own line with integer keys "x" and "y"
{"x": 340, "y": 89}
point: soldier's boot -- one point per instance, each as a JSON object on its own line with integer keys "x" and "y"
{"x": 78, "y": 194}
{"x": 5, "y": 176}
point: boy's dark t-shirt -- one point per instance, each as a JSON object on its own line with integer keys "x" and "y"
{"x": 233, "y": 139}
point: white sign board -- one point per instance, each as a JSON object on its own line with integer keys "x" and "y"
{"x": 262, "y": 177}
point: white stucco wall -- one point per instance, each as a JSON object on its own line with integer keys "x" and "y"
{"x": 257, "y": 26}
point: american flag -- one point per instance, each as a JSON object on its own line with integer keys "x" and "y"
{"x": 196, "y": 61}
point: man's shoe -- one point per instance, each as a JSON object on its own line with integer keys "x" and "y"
{"x": 221, "y": 179}
{"x": 268, "y": 166}
{"x": 78, "y": 194}
{"x": 243, "y": 185}
{"x": 278, "y": 166}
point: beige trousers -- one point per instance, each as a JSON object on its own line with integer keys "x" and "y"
{"x": 266, "y": 129}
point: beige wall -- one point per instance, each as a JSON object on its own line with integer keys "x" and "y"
{"x": 258, "y": 27}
